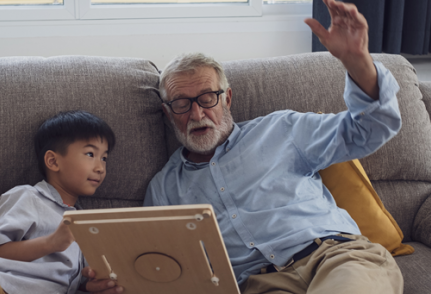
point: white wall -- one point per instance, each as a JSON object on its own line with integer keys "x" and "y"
{"x": 274, "y": 34}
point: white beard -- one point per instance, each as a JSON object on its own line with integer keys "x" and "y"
{"x": 206, "y": 144}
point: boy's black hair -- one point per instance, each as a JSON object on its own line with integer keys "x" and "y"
{"x": 58, "y": 132}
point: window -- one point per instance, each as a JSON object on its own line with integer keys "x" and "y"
{"x": 94, "y": 9}
{"x": 36, "y": 9}
{"x": 286, "y": 1}
{"x": 122, "y": 9}
{"x": 11, "y": 10}
{"x": 31, "y": 2}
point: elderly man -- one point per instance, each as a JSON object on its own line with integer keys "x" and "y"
{"x": 262, "y": 177}
{"x": 281, "y": 226}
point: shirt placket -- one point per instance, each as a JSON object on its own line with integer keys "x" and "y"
{"x": 231, "y": 208}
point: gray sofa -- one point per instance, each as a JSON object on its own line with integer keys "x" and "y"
{"x": 123, "y": 92}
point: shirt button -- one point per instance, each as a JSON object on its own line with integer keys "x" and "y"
{"x": 212, "y": 163}
{"x": 362, "y": 113}
{"x": 251, "y": 244}
{"x": 227, "y": 149}
{"x": 222, "y": 189}
{"x": 272, "y": 256}
{"x": 233, "y": 215}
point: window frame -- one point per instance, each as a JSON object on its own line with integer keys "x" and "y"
{"x": 84, "y": 10}
{"x": 146, "y": 11}
{"x": 38, "y": 12}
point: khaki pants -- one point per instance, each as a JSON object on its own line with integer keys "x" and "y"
{"x": 355, "y": 267}
{"x": 1, "y": 291}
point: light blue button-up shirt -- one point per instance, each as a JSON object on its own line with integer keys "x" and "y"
{"x": 263, "y": 182}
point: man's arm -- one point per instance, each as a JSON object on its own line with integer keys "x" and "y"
{"x": 347, "y": 40}
{"x": 29, "y": 250}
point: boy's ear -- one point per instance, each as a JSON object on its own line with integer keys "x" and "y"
{"x": 51, "y": 161}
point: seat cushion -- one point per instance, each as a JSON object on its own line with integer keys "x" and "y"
{"x": 416, "y": 269}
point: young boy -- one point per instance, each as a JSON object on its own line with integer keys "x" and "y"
{"x": 38, "y": 254}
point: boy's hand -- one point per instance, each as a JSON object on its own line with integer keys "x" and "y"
{"x": 61, "y": 239}
{"x": 99, "y": 286}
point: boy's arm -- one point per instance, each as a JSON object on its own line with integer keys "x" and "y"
{"x": 29, "y": 250}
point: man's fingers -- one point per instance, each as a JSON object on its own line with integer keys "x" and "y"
{"x": 317, "y": 28}
{"x": 332, "y": 12}
{"x": 115, "y": 290}
{"x": 88, "y": 272}
{"x": 350, "y": 11}
{"x": 99, "y": 286}
{"x": 359, "y": 19}
{"x": 103, "y": 286}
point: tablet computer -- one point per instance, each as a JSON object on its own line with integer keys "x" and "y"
{"x": 164, "y": 249}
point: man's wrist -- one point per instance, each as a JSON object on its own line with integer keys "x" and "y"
{"x": 364, "y": 73}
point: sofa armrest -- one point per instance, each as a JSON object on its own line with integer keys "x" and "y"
{"x": 425, "y": 88}
{"x": 421, "y": 230}
{"x": 422, "y": 225}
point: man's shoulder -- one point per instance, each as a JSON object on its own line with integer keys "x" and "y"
{"x": 270, "y": 118}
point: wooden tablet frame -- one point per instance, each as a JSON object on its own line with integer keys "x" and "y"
{"x": 165, "y": 249}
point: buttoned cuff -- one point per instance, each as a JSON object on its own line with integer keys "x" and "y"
{"x": 359, "y": 103}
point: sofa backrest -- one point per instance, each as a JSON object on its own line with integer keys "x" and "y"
{"x": 119, "y": 90}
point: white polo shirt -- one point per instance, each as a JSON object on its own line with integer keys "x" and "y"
{"x": 28, "y": 212}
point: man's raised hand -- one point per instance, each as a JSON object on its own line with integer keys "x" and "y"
{"x": 347, "y": 36}
{"x": 347, "y": 40}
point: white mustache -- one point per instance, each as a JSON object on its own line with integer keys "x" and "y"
{"x": 205, "y": 122}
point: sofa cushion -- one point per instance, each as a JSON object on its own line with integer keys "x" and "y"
{"x": 422, "y": 224}
{"x": 416, "y": 269}
{"x": 425, "y": 88}
{"x": 119, "y": 90}
{"x": 403, "y": 199}
{"x": 352, "y": 191}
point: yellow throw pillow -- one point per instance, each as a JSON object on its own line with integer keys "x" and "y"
{"x": 352, "y": 190}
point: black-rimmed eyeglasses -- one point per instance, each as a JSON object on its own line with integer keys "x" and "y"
{"x": 205, "y": 100}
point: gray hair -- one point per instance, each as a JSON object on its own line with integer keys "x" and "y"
{"x": 188, "y": 63}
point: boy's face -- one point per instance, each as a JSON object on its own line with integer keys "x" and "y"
{"x": 82, "y": 169}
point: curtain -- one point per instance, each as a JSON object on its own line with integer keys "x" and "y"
{"x": 395, "y": 26}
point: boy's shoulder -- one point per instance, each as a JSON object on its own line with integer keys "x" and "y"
{"x": 24, "y": 191}
{"x": 40, "y": 194}
{"x": 20, "y": 189}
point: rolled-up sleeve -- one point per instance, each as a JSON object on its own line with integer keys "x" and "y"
{"x": 360, "y": 103}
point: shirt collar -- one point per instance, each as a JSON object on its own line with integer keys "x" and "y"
{"x": 231, "y": 140}
{"x": 48, "y": 191}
